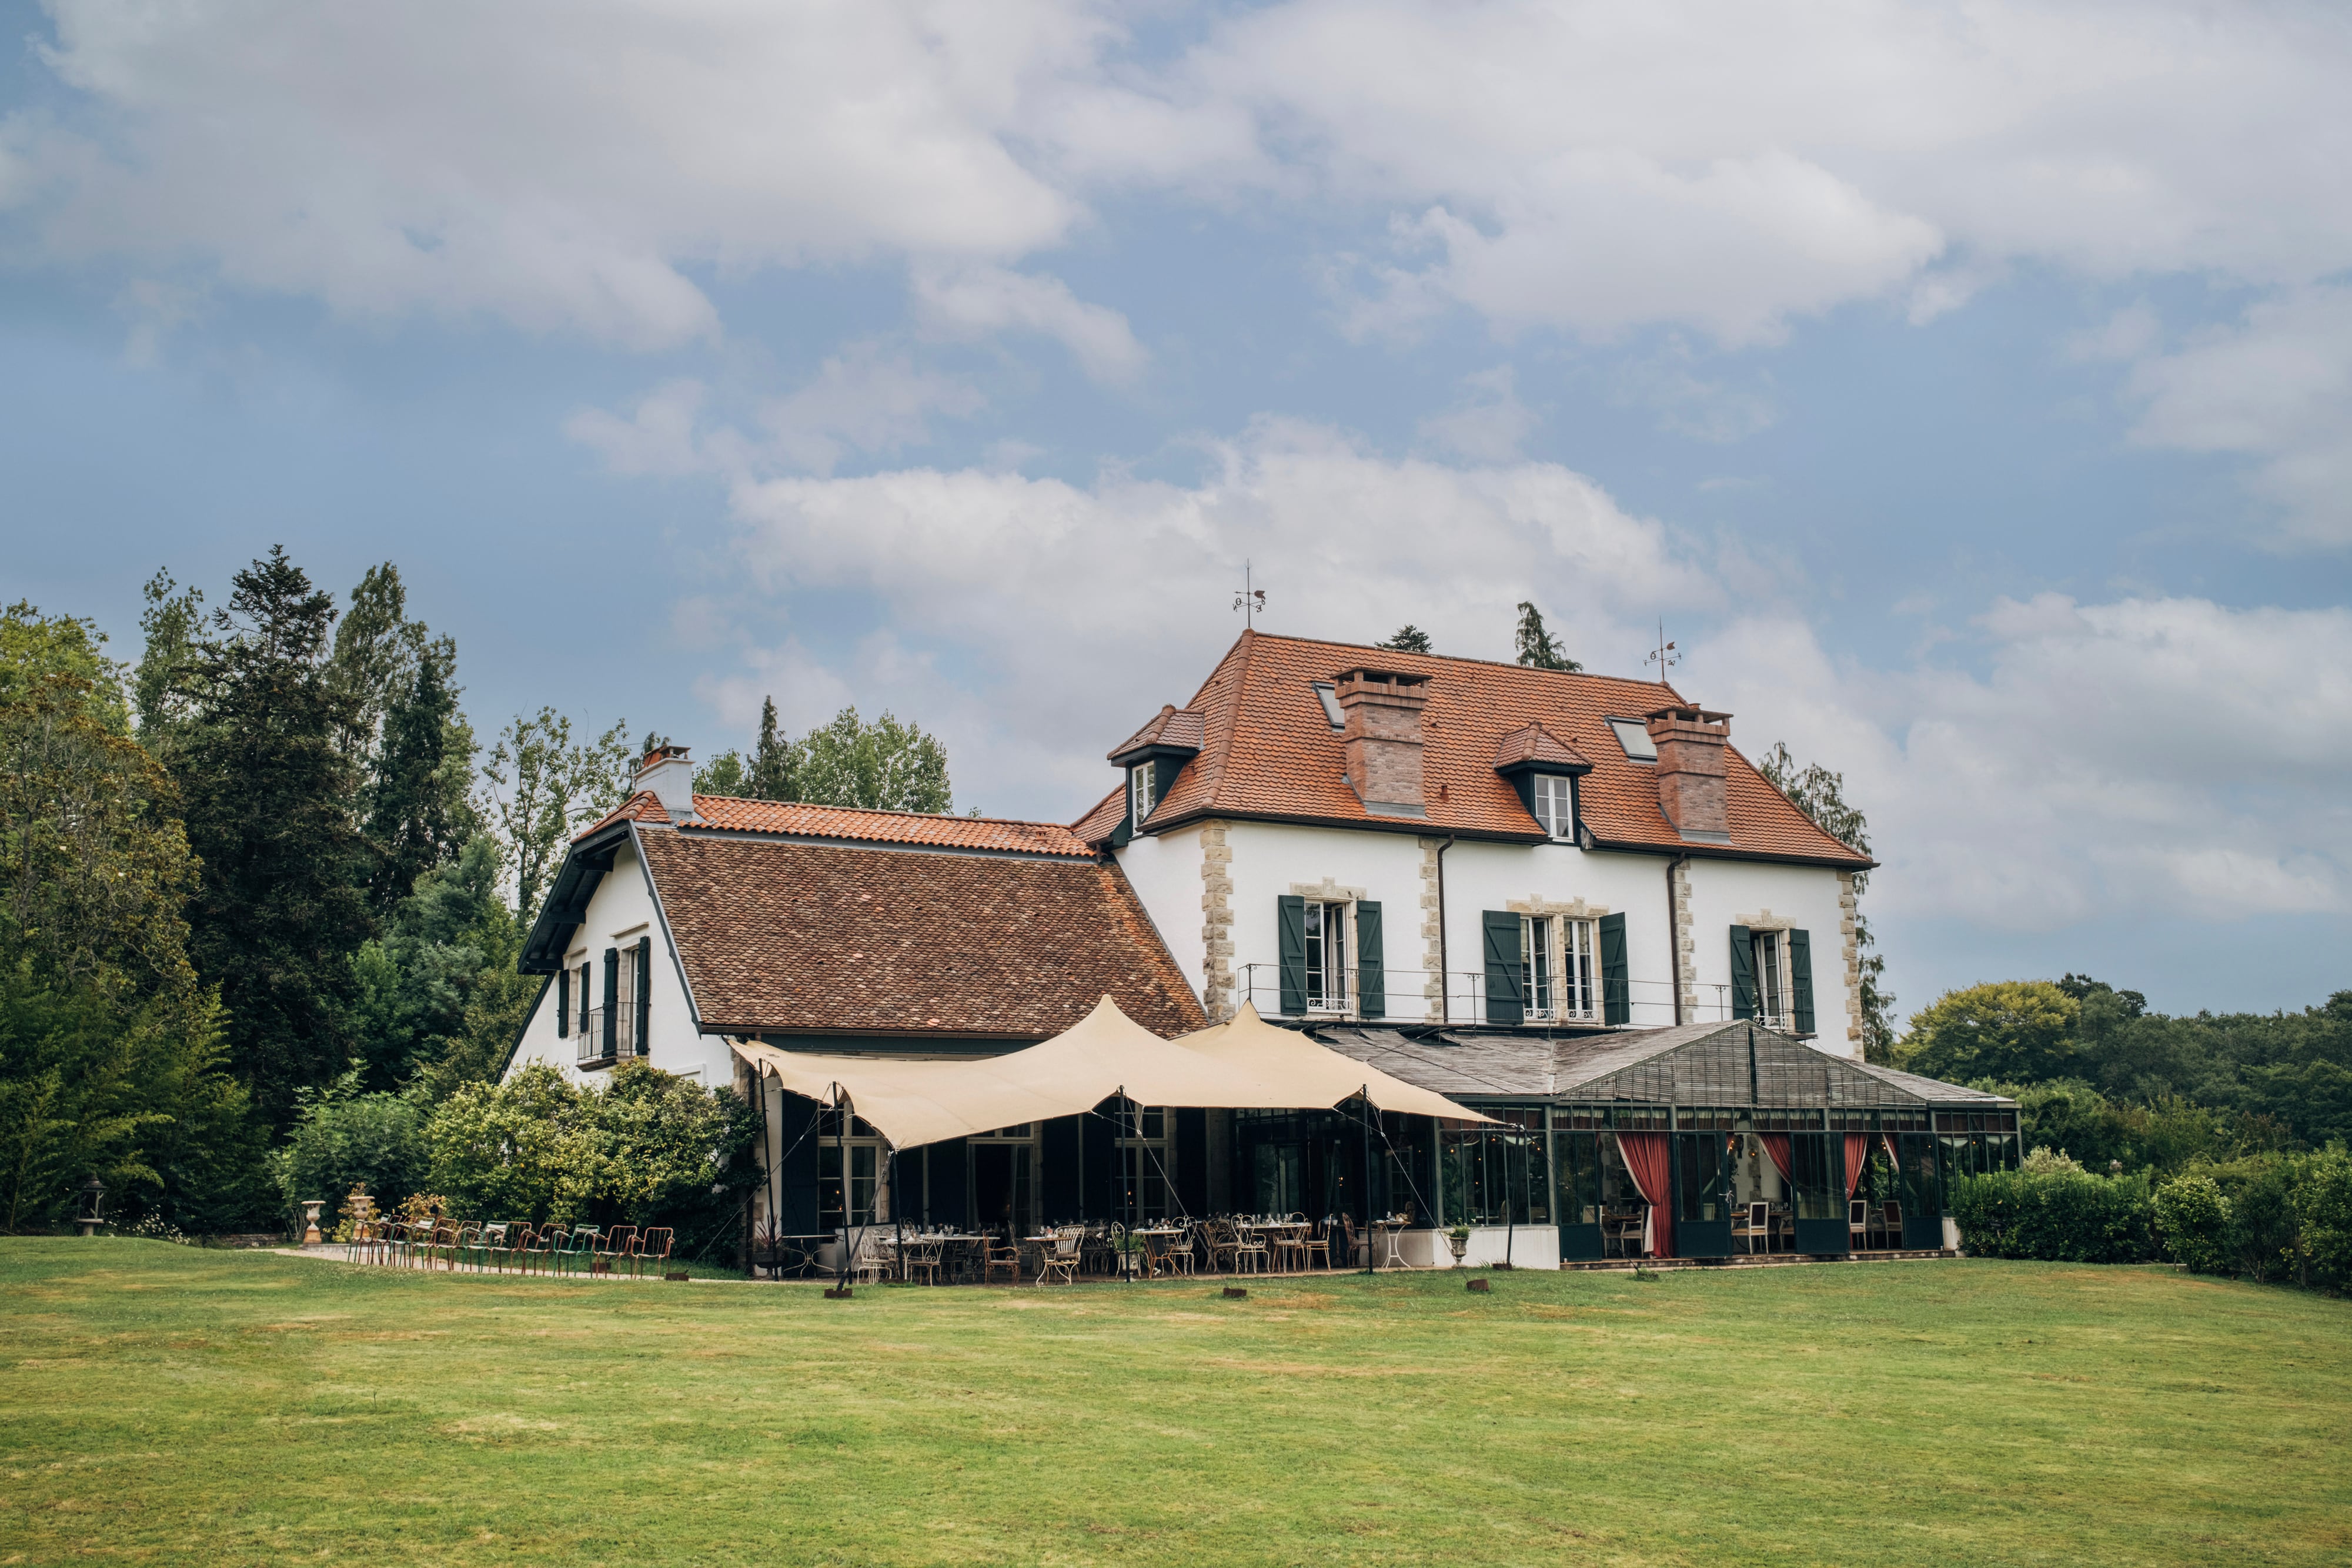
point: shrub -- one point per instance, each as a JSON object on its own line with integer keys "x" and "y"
{"x": 2194, "y": 1219}
{"x": 341, "y": 1140}
{"x": 2323, "y": 1208}
{"x": 2058, "y": 1216}
{"x": 650, "y": 1149}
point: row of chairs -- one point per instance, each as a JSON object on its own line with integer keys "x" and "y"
{"x": 494, "y": 1247}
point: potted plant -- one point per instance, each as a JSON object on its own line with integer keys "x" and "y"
{"x": 1458, "y": 1241}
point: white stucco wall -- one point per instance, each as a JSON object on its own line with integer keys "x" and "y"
{"x": 619, "y": 912}
{"x": 1483, "y": 876}
{"x": 1166, "y": 875}
{"x": 1725, "y": 894}
{"x": 1270, "y": 860}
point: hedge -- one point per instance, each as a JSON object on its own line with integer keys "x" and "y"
{"x": 2060, "y": 1217}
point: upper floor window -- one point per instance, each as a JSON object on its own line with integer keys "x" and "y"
{"x": 1327, "y": 957}
{"x": 1772, "y": 979}
{"x": 1555, "y": 797}
{"x": 1139, "y": 797}
{"x": 1635, "y": 736}
{"x": 1555, "y": 969}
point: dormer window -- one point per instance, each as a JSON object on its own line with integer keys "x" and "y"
{"x": 1555, "y": 804}
{"x": 1139, "y": 797}
{"x": 1635, "y": 736}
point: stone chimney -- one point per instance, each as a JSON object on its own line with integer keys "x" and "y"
{"x": 1382, "y": 739}
{"x": 1691, "y": 790}
{"x": 666, "y": 772}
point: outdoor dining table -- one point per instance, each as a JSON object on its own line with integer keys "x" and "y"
{"x": 1388, "y": 1236}
{"x": 1275, "y": 1231}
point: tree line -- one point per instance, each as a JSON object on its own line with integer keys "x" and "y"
{"x": 265, "y": 882}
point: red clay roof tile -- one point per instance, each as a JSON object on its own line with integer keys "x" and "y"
{"x": 778, "y": 936}
{"x": 1270, "y": 752}
{"x": 726, "y": 813}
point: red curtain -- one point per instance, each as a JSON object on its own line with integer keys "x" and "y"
{"x": 1857, "y": 1150}
{"x": 1777, "y": 1145}
{"x": 1647, "y": 1157}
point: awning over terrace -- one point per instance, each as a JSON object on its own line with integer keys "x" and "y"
{"x": 1310, "y": 1073}
{"x": 913, "y": 1102}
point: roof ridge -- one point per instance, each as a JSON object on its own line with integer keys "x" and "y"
{"x": 881, "y": 810}
{"x": 1465, "y": 659}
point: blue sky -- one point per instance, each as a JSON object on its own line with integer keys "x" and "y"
{"x": 1967, "y": 391}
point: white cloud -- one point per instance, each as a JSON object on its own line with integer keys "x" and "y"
{"x": 2277, "y": 390}
{"x": 657, "y": 437}
{"x": 562, "y": 165}
{"x": 1488, "y": 423}
{"x": 868, "y": 400}
{"x": 1107, "y": 600}
{"x": 574, "y": 166}
{"x": 980, "y": 301}
{"x": 2146, "y": 755}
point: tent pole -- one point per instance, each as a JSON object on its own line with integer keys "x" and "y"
{"x": 897, "y": 1212}
{"x": 1364, "y": 1128}
{"x": 1129, "y": 1114}
{"x": 848, "y": 1203}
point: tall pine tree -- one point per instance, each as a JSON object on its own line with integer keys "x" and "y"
{"x": 268, "y": 796}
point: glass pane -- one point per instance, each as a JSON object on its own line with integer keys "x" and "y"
{"x": 1704, "y": 1173}
{"x": 1813, "y": 1173}
{"x": 1577, "y": 1170}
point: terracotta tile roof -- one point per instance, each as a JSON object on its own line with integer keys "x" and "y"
{"x": 725, "y": 813}
{"x": 781, "y": 936}
{"x": 644, "y": 806}
{"x": 1270, "y": 752}
{"x": 1171, "y": 726}
{"x": 1534, "y": 743}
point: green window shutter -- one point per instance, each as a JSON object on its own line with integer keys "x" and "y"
{"x": 1743, "y": 973}
{"x": 645, "y": 992}
{"x": 1616, "y": 983}
{"x": 612, "y": 1001}
{"x": 562, "y": 1003}
{"x": 1504, "y": 1004}
{"x": 1371, "y": 962}
{"x": 1801, "y": 978}
{"x": 1290, "y": 919}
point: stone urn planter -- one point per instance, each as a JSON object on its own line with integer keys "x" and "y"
{"x": 311, "y": 1207}
{"x": 1457, "y": 1241}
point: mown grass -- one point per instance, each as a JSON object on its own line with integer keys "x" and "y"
{"x": 161, "y": 1405}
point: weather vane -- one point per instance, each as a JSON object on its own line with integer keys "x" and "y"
{"x": 1249, "y": 600}
{"x": 1664, "y": 655}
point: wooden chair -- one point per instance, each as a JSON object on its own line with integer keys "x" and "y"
{"x": 1317, "y": 1240}
{"x": 1857, "y": 1224}
{"x": 1757, "y": 1227}
{"x": 1063, "y": 1257}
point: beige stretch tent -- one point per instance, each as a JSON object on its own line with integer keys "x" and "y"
{"x": 1308, "y": 1073}
{"x": 1249, "y": 1064}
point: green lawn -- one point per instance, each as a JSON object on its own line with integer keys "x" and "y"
{"x": 163, "y": 1404}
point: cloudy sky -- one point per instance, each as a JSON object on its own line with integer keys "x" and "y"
{"x": 1967, "y": 387}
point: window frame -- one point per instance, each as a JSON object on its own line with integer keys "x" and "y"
{"x": 1768, "y": 953}
{"x": 1556, "y": 790}
{"x": 1328, "y": 694}
{"x": 1141, "y": 792}
{"x": 1619, "y": 727}
{"x": 1327, "y": 924}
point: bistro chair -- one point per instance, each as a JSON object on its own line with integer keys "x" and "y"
{"x": 1063, "y": 1257}
{"x": 651, "y": 1247}
{"x": 1316, "y": 1240}
{"x": 445, "y": 1234}
{"x": 612, "y": 1246}
{"x": 546, "y": 1249}
{"x": 996, "y": 1255}
{"x": 1249, "y": 1244}
{"x": 920, "y": 1257}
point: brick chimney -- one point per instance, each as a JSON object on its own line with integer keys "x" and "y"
{"x": 1691, "y": 790}
{"x": 1382, "y": 739}
{"x": 671, "y": 776}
